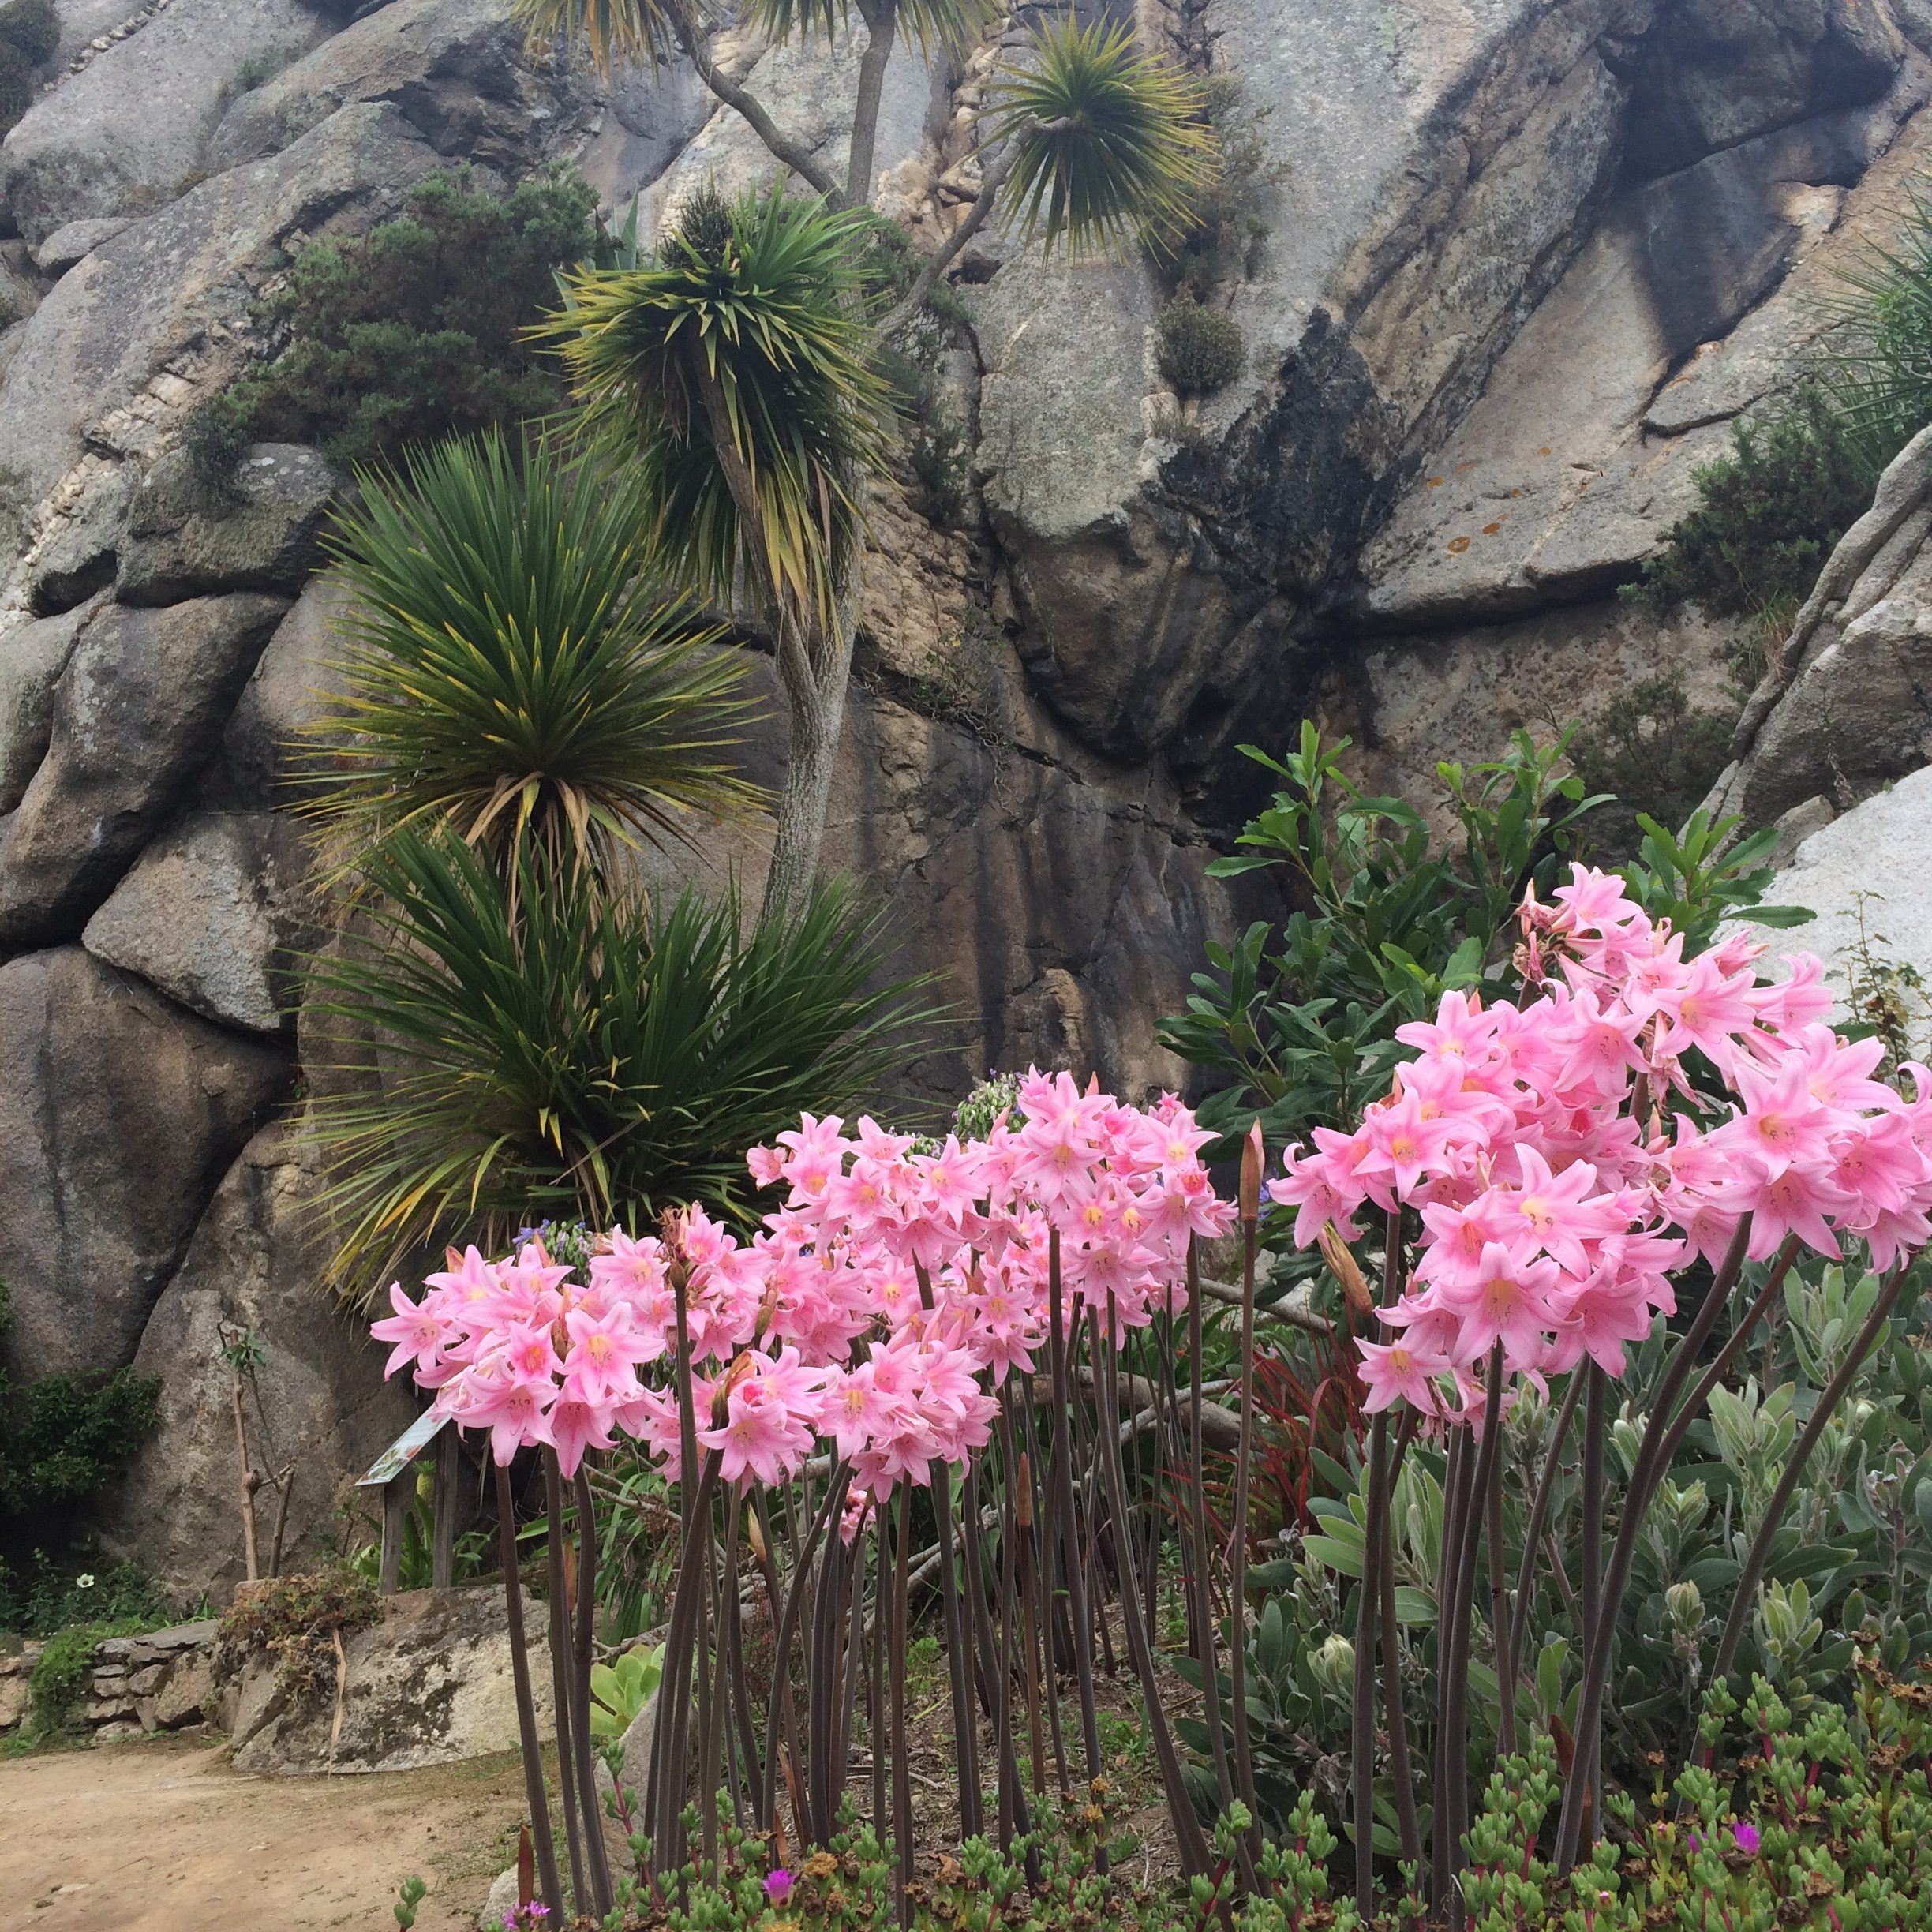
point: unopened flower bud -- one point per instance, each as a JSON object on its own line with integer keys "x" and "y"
{"x": 1685, "y": 1602}
{"x": 1334, "y": 1665}
{"x": 1252, "y": 1160}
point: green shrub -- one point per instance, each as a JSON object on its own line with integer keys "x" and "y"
{"x": 1652, "y": 753}
{"x": 1227, "y": 226}
{"x": 58, "y": 1680}
{"x": 1201, "y": 349}
{"x": 296, "y": 1620}
{"x": 17, "y": 87}
{"x": 32, "y": 26}
{"x": 1769, "y": 513}
{"x": 48, "y": 1597}
{"x": 62, "y": 1438}
{"x": 417, "y": 328}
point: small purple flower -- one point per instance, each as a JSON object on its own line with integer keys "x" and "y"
{"x": 778, "y": 1885}
{"x": 1747, "y": 1839}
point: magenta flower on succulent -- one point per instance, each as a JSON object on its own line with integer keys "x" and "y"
{"x": 1563, "y": 1166}
{"x": 818, "y": 1332}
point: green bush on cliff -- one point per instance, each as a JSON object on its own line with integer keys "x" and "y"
{"x": 412, "y": 331}
{"x": 32, "y": 26}
{"x": 62, "y": 1438}
{"x": 1647, "y": 752}
{"x": 1769, "y": 512}
{"x": 29, "y": 32}
{"x": 1201, "y": 349}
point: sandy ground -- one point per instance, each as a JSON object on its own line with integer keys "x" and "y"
{"x": 161, "y": 1837}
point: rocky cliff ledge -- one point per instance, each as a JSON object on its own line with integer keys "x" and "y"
{"x": 1523, "y": 261}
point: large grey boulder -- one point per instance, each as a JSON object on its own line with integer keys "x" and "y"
{"x": 119, "y": 1114}
{"x": 1842, "y": 707}
{"x": 1567, "y": 472}
{"x": 1867, "y": 875}
{"x": 76, "y": 551}
{"x": 74, "y": 239}
{"x": 286, "y": 692}
{"x": 124, "y": 338}
{"x": 430, "y": 1684}
{"x": 216, "y": 914}
{"x": 32, "y": 656}
{"x": 1714, "y": 73}
{"x": 316, "y": 1397}
{"x": 137, "y": 712}
{"x": 455, "y": 69}
{"x": 260, "y": 532}
{"x": 121, "y": 136}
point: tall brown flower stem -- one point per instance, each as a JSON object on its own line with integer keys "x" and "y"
{"x": 1452, "y": 1803}
{"x": 670, "y": 1741}
{"x": 1039, "y": 1552}
{"x": 744, "y": 1742}
{"x": 1250, "y": 1210}
{"x": 1498, "y": 1608}
{"x": 876, "y": 1675}
{"x": 562, "y": 1696}
{"x": 534, "y": 1795}
{"x": 818, "y": 1765}
{"x": 959, "y": 1661}
{"x": 1643, "y": 1480}
{"x": 1595, "y": 1408}
{"x": 1828, "y": 1404}
{"x": 1069, "y": 1532}
{"x": 901, "y": 1760}
{"x": 1189, "y": 1840}
{"x": 709, "y": 1702}
{"x": 598, "y": 1854}
{"x": 1361, "y": 1736}
{"x": 1400, "y": 1770}
{"x": 780, "y": 1603}
{"x": 1456, "y": 1489}
{"x": 1532, "y": 1532}
{"x": 1206, "y": 1649}
{"x": 1377, "y": 1601}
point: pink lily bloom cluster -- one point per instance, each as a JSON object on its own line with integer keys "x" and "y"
{"x": 1561, "y": 1166}
{"x": 870, "y": 1318}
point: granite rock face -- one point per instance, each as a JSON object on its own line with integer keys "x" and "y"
{"x": 121, "y": 136}
{"x": 116, "y": 349}
{"x": 137, "y": 712}
{"x": 429, "y": 1684}
{"x": 261, "y": 534}
{"x": 316, "y": 1399}
{"x": 1512, "y": 269}
{"x": 33, "y": 657}
{"x": 119, "y": 1113}
{"x": 216, "y": 914}
{"x": 1843, "y": 707}
{"x": 1864, "y": 876}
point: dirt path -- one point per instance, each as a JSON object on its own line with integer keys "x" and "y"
{"x": 161, "y": 1837}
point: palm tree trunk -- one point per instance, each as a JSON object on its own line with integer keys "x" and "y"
{"x": 881, "y": 20}
{"x": 814, "y": 682}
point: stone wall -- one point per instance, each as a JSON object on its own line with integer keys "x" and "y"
{"x": 1524, "y": 260}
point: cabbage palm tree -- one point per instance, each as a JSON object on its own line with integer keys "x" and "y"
{"x": 510, "y": 666}
{"x": 733, "y": 376}
{"x": 515, "y": 1043}
{"x": 506, "y": 1028}
{"x": 753, "y": 313}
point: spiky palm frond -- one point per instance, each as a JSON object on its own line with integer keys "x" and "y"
{"x": 509, "y": 663}
{"x": 949, "y": 26}
{"x": 545, "y": 1048}
{"x": 753, "y": 302}
{"x": 1112, "y": 142}
{"x": 1878, "y": 358}
{"x": 616, "y": 33}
